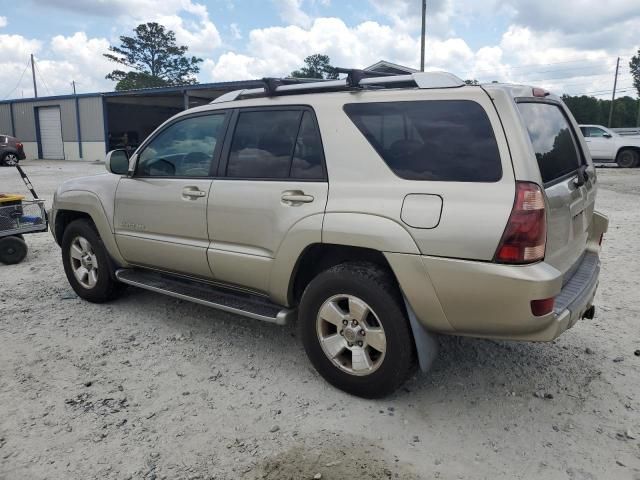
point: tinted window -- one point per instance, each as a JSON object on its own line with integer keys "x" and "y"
{"x": 445, "y": 140}
{"x": 551, "y": 138}
{"x": 308, "y": 155}
{"x": 184, "y": 149}
{"x": 263, "y": 144}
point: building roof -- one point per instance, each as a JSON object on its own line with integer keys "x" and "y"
{"x": 178, "y": 89}
{"x": 389, "y": 67}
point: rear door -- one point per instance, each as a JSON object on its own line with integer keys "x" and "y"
{"x": 570, "y": 193}
{"x": 272, "y": 176}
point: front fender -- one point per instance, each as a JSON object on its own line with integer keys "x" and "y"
{"x": 89, "y": 203}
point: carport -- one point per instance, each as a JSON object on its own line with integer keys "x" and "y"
{"x": 130, "y": 116}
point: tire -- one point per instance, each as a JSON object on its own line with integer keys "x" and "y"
{"x": 98, "y": 285}
{"x": 627, "y": 158}
{"x": 13, "y": 249}
{"x": 350, "y": 287}
{"x": 10, "y": 159}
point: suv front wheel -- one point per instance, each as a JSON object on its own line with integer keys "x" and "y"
{"x": 86, "y": 263}
{"x": 355, "y": 331}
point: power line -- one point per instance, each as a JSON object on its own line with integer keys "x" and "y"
{"x": 42, "y": 78}
{"x": 17, "y": 84}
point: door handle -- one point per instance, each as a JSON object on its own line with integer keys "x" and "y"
{"x": 296, "y": 197}
{"x": 193, "y": 192}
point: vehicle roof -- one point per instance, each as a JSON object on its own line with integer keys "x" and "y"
{"x": 315, "y": 96}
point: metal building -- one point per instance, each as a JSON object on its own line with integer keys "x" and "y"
{"x": 85, "y": 126}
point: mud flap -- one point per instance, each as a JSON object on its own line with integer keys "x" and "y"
{"x": 426, "y": 343}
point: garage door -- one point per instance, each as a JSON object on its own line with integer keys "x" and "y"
{"x": 51, "y": 133}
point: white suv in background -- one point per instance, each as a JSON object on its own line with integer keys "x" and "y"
{"x": 607, "y": 146}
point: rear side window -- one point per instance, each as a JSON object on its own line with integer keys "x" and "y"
{"x": 551, "y": 138}
{"x": 442, "y": 140}
{"x": 276, "y": 144}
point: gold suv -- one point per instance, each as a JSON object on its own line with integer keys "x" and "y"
{"x": 377, "y": 211}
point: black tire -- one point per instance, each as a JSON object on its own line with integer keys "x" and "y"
{"x": 377, "y": 288}
{"x": 106, "y": 287}
{"x": 627, "y": 158}
{"x": 8, "y": 158}
{"x": 13, "y": 249}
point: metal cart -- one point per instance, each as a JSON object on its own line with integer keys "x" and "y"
{"x": 18, "y": 217}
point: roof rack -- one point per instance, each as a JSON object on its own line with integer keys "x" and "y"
{"x": 355, "y": 79}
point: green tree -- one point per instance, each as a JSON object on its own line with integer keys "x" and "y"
{"x": 316, "y": 66}
{"x": 634, "y": 66}
{"x": 154, "y": 59}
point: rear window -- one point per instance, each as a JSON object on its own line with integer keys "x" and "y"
{"x": 551, "y": 138}
{"x": 442, "y": 140}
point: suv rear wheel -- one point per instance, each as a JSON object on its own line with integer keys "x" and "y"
{"x": 86, "y": 263}
{"x": 627, "y": 158}
{"x": 355, "y": 331}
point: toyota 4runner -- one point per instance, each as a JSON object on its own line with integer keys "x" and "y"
{"x": 377, "y": 211}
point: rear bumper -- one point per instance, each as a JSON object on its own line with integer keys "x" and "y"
{"x": 484, "y": 299}
{"x": 488, "y": 300}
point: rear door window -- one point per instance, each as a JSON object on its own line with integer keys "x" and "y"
{"x": 552, "y": 139}
{"x": 276, "y": 144}
{"x": 442, "y": 140}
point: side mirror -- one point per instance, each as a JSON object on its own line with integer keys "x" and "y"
{"x": 117, "y": 162}
{"x": 607, "y": 135}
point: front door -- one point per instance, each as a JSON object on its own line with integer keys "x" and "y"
{"x": 161, "y": 211}
{"x": 271, "y": 178}
{"x": 601, "y": 144}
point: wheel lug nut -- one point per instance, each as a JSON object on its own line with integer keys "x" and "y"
{"x": 354, "y": 323}
{"x": 342, "y": 332}
{"x": 362, "y": 333}
{"x": 345, "y": 322}
{"x": 360, "y": 344}
{"x": 350, "y": 344}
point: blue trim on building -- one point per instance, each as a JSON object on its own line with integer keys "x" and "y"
{"x": 78, "y": 127}
{"x": 13, "y": 120}
{"x": 105, "y": 126}
{"x": 239, "y": 84}
{"x": 36, "y": 116}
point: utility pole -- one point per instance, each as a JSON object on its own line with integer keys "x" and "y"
{"x": 424, "y": 33}
{"x": 73, "y": 82}
{"x": 613, "y": 97}
{"x": 33, "y": 75}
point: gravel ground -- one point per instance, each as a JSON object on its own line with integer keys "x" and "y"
{"x": 150, "y": 387}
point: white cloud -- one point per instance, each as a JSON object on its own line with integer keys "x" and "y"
{"x": 291, "y": 12}
{"x": 3, "y": 22}
{"x": 235, "y": 31}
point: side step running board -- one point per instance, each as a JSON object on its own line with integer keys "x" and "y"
{"x": 240, "y": 303}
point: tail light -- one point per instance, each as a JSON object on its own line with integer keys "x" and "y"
{"x": 18, "y": 145}
{"x": 525, "y": 237}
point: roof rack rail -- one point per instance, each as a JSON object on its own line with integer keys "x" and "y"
{"x": 355, "y": 79}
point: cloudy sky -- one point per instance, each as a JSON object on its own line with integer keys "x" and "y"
{"x": 568, "y": 46}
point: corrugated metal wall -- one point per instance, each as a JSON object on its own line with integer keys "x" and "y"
{"x": 91, "y": 119}
{"x": 25, "y": 122}
{"x": 5, "y": 119}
